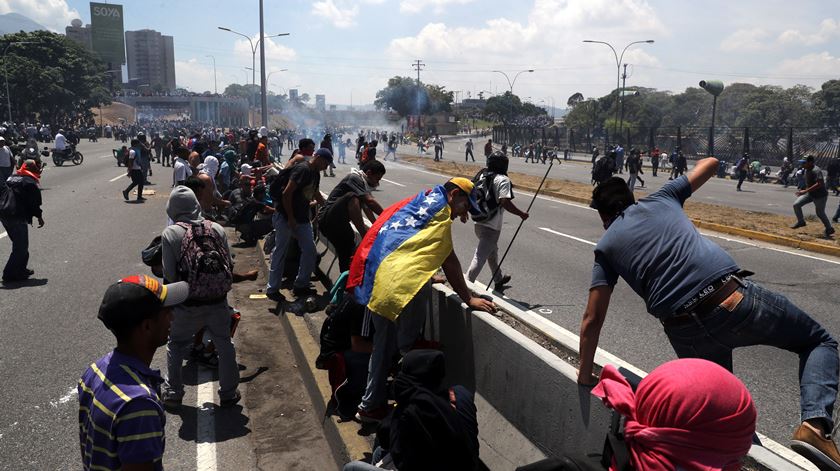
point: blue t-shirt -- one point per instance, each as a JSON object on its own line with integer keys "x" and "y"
{"x": 656, "y": 249}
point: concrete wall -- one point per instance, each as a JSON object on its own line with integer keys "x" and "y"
{"x": 530, "y": 405}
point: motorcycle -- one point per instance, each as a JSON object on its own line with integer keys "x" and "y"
{"x": 70, "y": 153}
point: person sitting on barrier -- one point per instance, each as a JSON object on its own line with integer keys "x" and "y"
{"x": 699, "y": 294}
{"x": 391, "y": 272}
{"x": 687, "y": 414}
{"x": 432, "y": 426}
{"x": 251, "y": 216}
{"x": 345, "y": 205}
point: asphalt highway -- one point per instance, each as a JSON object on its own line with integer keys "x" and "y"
{"x": 764, "y": 197}
{"x": 92, "y": 237}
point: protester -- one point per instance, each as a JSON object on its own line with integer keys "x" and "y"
{"x": 326, "y": 143}
{"x": 134, "y": 170}
{"x": 701, "y": 296}
{"x": 345, "y": 205}
{"x": 20, "y": 201}
{"x": 292, "y": 192}
{"x": 432, "y": 426}
{"x": 814, "y": 192}
{"x": 468, "y": 151}
{"x": 196, "y": 250}
{"x": 181, "y": 167}
{"x": 742, "y": 169}
{"x": 495, "y": 196}
{"x": 122, "y": 422}
{"x": 390, "y": 275}
{"x": 488, "y": 148}
{"x": 7, "y": 161}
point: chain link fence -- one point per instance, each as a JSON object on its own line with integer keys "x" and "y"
{"x": 769, "y": 145}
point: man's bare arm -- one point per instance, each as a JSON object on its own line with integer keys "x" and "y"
{"x": 703, "y": 171}
{"x": 590, "y": 330}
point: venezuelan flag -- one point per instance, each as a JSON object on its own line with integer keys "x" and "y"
{"x": 402, "y": 250}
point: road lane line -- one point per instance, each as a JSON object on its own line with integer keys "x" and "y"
{"x": 393, "y": 183}
{"x": 116, "y": 178}
{"x": 3, "y": 235}
{"x": 758, "y": 246}
{"x": 568, "y": 236}
{"x": 205, "y": 448}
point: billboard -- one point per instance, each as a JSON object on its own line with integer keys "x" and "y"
{"x": 107, "y": 35}
{"x": 293, "y": 95}
{"x": 320, "y": 102}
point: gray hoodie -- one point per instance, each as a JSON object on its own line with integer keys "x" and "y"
{"x": 182, "y": 207}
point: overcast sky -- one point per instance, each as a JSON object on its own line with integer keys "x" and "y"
{"x": 345, "y": 48}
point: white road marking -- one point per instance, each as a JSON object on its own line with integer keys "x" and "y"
{"x": 3, "y": 235}
{"x": 567, "y": 235}
{"x": 105, "y": 156}
{"x": 759, "y": 246}
{"x": 65, "y": 398}
{"x": 205, "y": 452}
{"x": 393, "y": 183}
{"x": 116, "y": 178}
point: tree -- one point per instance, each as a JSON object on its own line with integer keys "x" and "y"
{"x": 575, "y": 100}
{"x": 53, "y": 78}
{"x": 827, "y": 103}
{"x": 304, "y": 98}
{"x": 508, "y": 108}
{"x": 248, "y": 91}
{"x": 403, "y": 96}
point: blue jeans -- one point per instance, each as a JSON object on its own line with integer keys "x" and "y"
{"x": 376, "y": 457}
{"x": 186, "y": 321}
{"x": 282, "y": 234}
{"x": 766, "y": 318}
{"x": 388, "y": 339}
{"x": 19, "y": 235}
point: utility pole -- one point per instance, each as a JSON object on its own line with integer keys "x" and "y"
{"x": 418, "y": 66}
{"x": 263, "y": 94}
{"x": 621, "y": 94}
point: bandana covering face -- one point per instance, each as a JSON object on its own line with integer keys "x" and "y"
{"x": 689, "y": 414}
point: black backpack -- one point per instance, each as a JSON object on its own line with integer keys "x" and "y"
{"x": 275, "y": 190}
{"x": 485, "y": 195}
{"x": 603, "y": 169}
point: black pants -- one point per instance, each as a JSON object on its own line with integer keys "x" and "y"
{"x": 655, "y": 167}
{"x": 469, "y": 155}
{"x": 741, "y": 177}
{"x": 342, "y": 237}
{"x": 137, "y": 179}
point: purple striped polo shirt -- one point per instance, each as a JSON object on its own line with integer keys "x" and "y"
{"x": 121, "y": 416}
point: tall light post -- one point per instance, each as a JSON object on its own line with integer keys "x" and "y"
{"x": 618, "y": 60}
{"x": 261, "y": 44}
{"x": 715, "y": 88}
{"x": 6, "y": 73}
{"x": 510, "y": 82}
{"x": 215, "y": 83}
{"x": 274, "y": 72}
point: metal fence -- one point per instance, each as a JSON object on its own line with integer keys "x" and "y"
{"x": 766, "y": 144}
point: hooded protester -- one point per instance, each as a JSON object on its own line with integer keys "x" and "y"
{"x": 207, "y": 305}
{"x": 432, "y": 426}
{"x": 686, "y": 414}
{"x": 20, "y": 201}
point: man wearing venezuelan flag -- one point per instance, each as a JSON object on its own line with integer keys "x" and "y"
{"x": 390, "y": 274}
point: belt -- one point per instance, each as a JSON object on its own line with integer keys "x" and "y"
{"x": 705, "y": 305}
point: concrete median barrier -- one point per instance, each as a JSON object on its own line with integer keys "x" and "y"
{"x": 523, "y": 370}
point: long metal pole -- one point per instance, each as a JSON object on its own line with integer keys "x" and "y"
{"x": 521, "y": 221}
{"x": 263, "y": 96}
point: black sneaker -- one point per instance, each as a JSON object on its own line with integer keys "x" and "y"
{"x": 125, "y": 194}
{"x": 275, "y": 296}
{"x": 798, "y": 225}
{"x": 502, "y": 282}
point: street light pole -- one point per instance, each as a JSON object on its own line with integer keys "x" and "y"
{"x": 215, "y": 84}
{"x": 513, "y": 82}
{"x": 261, "y": 45}
{"x": 618, "y": 60}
